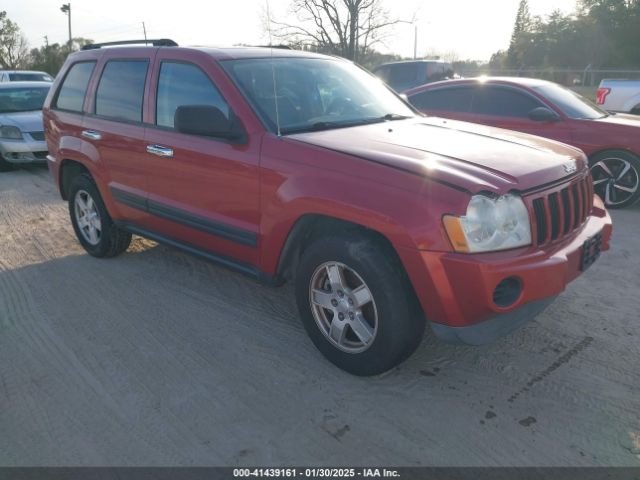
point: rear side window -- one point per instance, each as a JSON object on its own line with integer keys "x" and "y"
{"x": 74, "y": 87}
{"x": 121, "y": 90}
{"x": 184, "y": 84}
{"x": 444, "y": 99}
{"x": 503, "y": 102}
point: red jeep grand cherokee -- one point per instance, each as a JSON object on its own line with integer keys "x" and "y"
{"x": 381, "y": 216}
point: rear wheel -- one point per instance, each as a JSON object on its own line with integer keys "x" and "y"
{"x": 357, "y": 305}
{"x": 616, "y": 177}
{"x": 94, "y": 227}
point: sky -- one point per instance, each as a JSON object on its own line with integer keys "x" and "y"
{"x": 471, "y": 29}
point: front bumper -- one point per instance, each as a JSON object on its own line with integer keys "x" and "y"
{"x": 23, "y": 151}
{"x": 465, "y": 284}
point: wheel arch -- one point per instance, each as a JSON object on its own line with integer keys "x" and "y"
{"x": 612, "y": 149}
{"x": 311, "y": 226}
{"x": 69, "y": 169}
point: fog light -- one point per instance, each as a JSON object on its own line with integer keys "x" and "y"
{"x": 507, "y": 292}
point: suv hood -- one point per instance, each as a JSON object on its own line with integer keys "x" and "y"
{"x": 464, "y": 155}
{"x": 25, "y": 121}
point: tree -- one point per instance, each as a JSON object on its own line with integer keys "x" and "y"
{"x": 14, "y": 49}
{"x": 49, "y": 58}
{"x": 521, "y": 34}
{"x": 349, "y": 28}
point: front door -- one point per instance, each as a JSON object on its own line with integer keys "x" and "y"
{"x": 202, "y": 191}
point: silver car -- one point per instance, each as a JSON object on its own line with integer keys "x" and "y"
{"x": 21, "y": 129}
{"x": 24, "y": 76}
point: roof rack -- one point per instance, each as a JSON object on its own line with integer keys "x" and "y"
{"x": 161, "y": 42}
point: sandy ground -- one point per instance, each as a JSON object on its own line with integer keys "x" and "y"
{"x": 159, "y": 358}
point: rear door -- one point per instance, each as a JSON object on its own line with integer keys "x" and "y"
{"x": 203, "y": 191}
{"x": 114, "y": 128}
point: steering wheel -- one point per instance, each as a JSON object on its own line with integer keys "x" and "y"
{"x": 341, "y": 106}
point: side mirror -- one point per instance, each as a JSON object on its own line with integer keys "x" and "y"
{"x": 543, "y": 114}
{"x": 205, "y": 120}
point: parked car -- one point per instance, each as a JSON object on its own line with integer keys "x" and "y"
{"x": 380, "y": 216}
{"x": 409, "y": 74}
{"x": 24, "y": 76}
{"x": 538, "y": 107}
{"x": 619, "y": 96}
{"x": 21, "y": 130}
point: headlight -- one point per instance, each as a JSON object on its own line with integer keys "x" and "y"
{"x": 10, "y": 132}
{"x": 490, "y": 224}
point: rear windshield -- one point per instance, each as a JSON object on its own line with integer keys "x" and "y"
{"x": 30, "y": 77}
{"x": 23, "y": 99}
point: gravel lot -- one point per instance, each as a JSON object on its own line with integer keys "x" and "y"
{"x": 159, "y": 358}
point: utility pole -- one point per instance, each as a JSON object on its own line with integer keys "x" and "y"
{"x": 66, "y": 9}
{"x": 144, "y": 29}
{"x": 415, "y": 42}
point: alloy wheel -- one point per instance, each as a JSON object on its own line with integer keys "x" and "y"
{"x": 343, "y": 307}
{"x": 615, "y": 180}
{"x": 87, "y": 217}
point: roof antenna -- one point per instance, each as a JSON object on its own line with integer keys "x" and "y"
{"x": 273, "y": 72}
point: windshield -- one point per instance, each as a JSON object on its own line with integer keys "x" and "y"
{"x": 23, "y": 99}
{"x": 30, "y": 77}
{"x": 314, "y": 94}
{"x": 571, "y": 104}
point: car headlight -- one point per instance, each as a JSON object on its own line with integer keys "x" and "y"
{"x": 10, "y": 132}
{"x": 490, "y": 224}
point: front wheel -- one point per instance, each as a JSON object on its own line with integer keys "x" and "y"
{"x": 616, "y": 177}
{"x": 357, "y": 305}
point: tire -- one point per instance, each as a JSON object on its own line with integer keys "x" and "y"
{"x": 616, "y": 177}
{"x": 4, "y": 165}
{"x": 393, "y": 316}
{"x": 94, "y": 227}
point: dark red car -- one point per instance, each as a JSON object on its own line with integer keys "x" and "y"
{"x": 383, "y": 218}
{"x": 611, "y": 141}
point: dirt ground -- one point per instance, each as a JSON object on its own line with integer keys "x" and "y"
{"x": 159, "y": 358}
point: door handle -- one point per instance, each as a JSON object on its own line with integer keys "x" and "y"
{"x": 160, "y": 151}
{"x": 91, "y": 135}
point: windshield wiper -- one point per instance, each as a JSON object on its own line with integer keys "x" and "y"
{"x": 325, "y": 125}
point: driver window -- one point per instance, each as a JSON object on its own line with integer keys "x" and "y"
{"x": 184, "y": 84}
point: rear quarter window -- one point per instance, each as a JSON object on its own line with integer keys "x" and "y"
{"x": 74, "y": 87}
{"x": 120, "y": 92}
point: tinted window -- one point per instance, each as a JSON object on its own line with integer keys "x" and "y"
{"x": 403, "y": 75}
{"x": 572, "y": 104}
{"x": 184, "y": 84}
{"x": 30, "y": 77}
{"x": 502, "y": 102}
{"x": 74, "y": 87}
{"x": 445, "y": 99}
{"x": 121, "y": 90}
